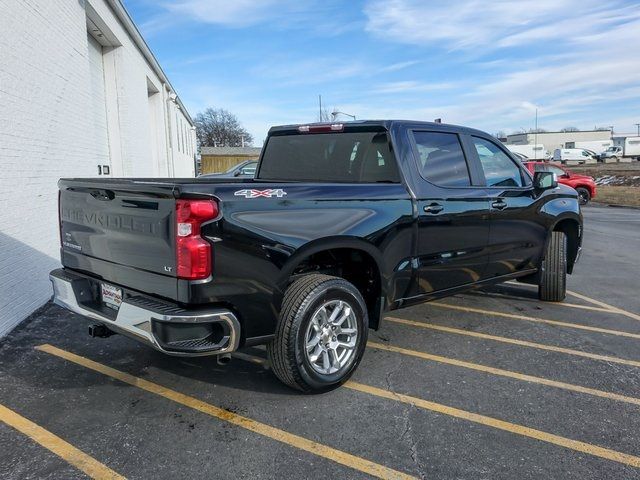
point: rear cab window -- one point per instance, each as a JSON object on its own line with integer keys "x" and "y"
{"x": 344, "y": 157}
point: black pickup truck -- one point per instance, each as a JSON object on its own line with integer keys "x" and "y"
{"x": 342, "y": 223}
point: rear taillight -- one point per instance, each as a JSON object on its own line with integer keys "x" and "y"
{"x": 193, "y": 253}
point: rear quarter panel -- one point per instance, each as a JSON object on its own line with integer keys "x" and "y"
{"x": 258, "y": 241}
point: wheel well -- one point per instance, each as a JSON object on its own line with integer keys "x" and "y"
{"x": 355, "y": 266}
{"x": 571, "y": 229}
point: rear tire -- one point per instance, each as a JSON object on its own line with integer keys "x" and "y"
{"x": 553, "y": 277}
{"x": 583, "y": 195}
{"x": 312, "y": 350}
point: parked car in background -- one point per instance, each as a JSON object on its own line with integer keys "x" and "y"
{"x": 246, "y": 169}
{"x": 597, "y": 146}
{"x": 583, "y": 184}
{"x": 574, "y": 155}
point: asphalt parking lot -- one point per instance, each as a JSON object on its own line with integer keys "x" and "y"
{"x": 489, "y": 384}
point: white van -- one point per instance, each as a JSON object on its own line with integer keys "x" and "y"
{"x": 532, "y": 152}
{"x": 574, "y": 156}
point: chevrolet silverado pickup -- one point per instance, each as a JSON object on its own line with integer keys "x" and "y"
{"x": 342, "y": 223}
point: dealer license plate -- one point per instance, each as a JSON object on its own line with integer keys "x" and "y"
{"x": 111, "y": 296}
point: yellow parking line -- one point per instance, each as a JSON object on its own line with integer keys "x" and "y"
{"x": 505, "y": 373}
{"x": 513, "y": 341}
{"x": 268, "y": 431}
{"x": 611, "y": 308}
{"x": 575, "y": 445}
{"x": 605, "y": 306}
{"x": 560, "y": 304}
{"x": 55, "y": 444}
{"x": 536, "y": 320}
{"x": 479, "y": 368}
{"x": 489, "y": 421}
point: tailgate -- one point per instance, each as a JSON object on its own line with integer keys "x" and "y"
{"x": 120, "y": 231}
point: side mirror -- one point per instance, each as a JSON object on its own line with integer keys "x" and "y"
{"x": 545, "y": 180}
{"x": 237, "y": 173}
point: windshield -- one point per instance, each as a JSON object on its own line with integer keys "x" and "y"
{"x": 354, "y": 157}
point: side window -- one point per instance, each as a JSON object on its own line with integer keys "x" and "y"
{"x": 539, "y": 167}
{"x": 499, "y": 169}
{"x": 441, "y": 160}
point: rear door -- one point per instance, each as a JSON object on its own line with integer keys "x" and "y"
{"x": 516, "y": 237}
{"x": 453, "y": 214}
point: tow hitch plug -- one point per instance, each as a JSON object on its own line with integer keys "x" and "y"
{"x": 99, "y": 330}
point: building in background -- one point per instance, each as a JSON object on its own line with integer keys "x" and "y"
{"x": 221, "y": 159}
{"x": 81, "y": 95}
{"x": 552, "y": 140}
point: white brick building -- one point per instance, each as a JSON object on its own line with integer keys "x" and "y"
{"x": 81, "y": 95}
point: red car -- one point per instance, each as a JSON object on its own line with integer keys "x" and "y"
{"x": 583, "y": 184}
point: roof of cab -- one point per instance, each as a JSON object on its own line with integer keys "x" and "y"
{"x": 381, "y": 124}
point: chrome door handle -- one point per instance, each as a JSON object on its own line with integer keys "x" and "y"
{"x": 433, "y": 208}
{"x": 499, "y": 205}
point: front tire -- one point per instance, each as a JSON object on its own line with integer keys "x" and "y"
{"x": 583, "y": 195}
{"x": 321, "y": 334}
{"x": 553, "y": 278}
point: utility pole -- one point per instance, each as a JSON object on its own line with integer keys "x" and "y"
{"x": 638, "y": 126}
{"x": 535, "y": 138}
{"x": 320, "y": 107}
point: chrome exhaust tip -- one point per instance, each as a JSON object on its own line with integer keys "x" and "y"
{"x": 223, "y": 358}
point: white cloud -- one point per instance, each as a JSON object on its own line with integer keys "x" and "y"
{"x": 234, "y": 13}
{"x": 482, "y": 25}
{"x": 318, "y": 16}
{"x": 569, "y": 58}
{"x": 410, "y": 86}
{"x": 394, "y": 67}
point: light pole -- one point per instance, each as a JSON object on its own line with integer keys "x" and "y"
{"x": 335, "y": 114}
{"x": 638, "y": 126}
{"x": 535, "y": 137}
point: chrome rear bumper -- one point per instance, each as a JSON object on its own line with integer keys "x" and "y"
{"x": 149, "y": 321}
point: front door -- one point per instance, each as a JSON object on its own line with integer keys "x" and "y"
{"x": 516, "y": 238}
{"x": 453, "y": 215}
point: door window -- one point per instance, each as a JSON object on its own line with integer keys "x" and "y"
{"x": 499, "y": 169}
{"x": 441, "y": 160}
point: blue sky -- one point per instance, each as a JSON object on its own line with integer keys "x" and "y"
{"x": 471, "y": 62}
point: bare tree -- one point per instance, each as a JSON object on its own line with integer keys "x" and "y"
{"x": 217, "y": 127}
{"x": 500, "y": 134}
{"x": 537, "y": 130}
{"x": 570, "y": 129}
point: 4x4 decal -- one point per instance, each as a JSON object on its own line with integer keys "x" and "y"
{"x": 268, "y": 193}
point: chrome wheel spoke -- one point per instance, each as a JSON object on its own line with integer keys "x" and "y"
{"x": 326, "y": 361}
{"x": 315, "y": 355}
{"x": 336, "y": 312}
{"x": 313, "y": 342}
{"x": 346, "y": 313}
{"x": 335, "y": 361}
{"x": 347, "y": 345}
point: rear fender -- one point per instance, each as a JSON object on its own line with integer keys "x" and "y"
{"x": 331, "y": 243}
